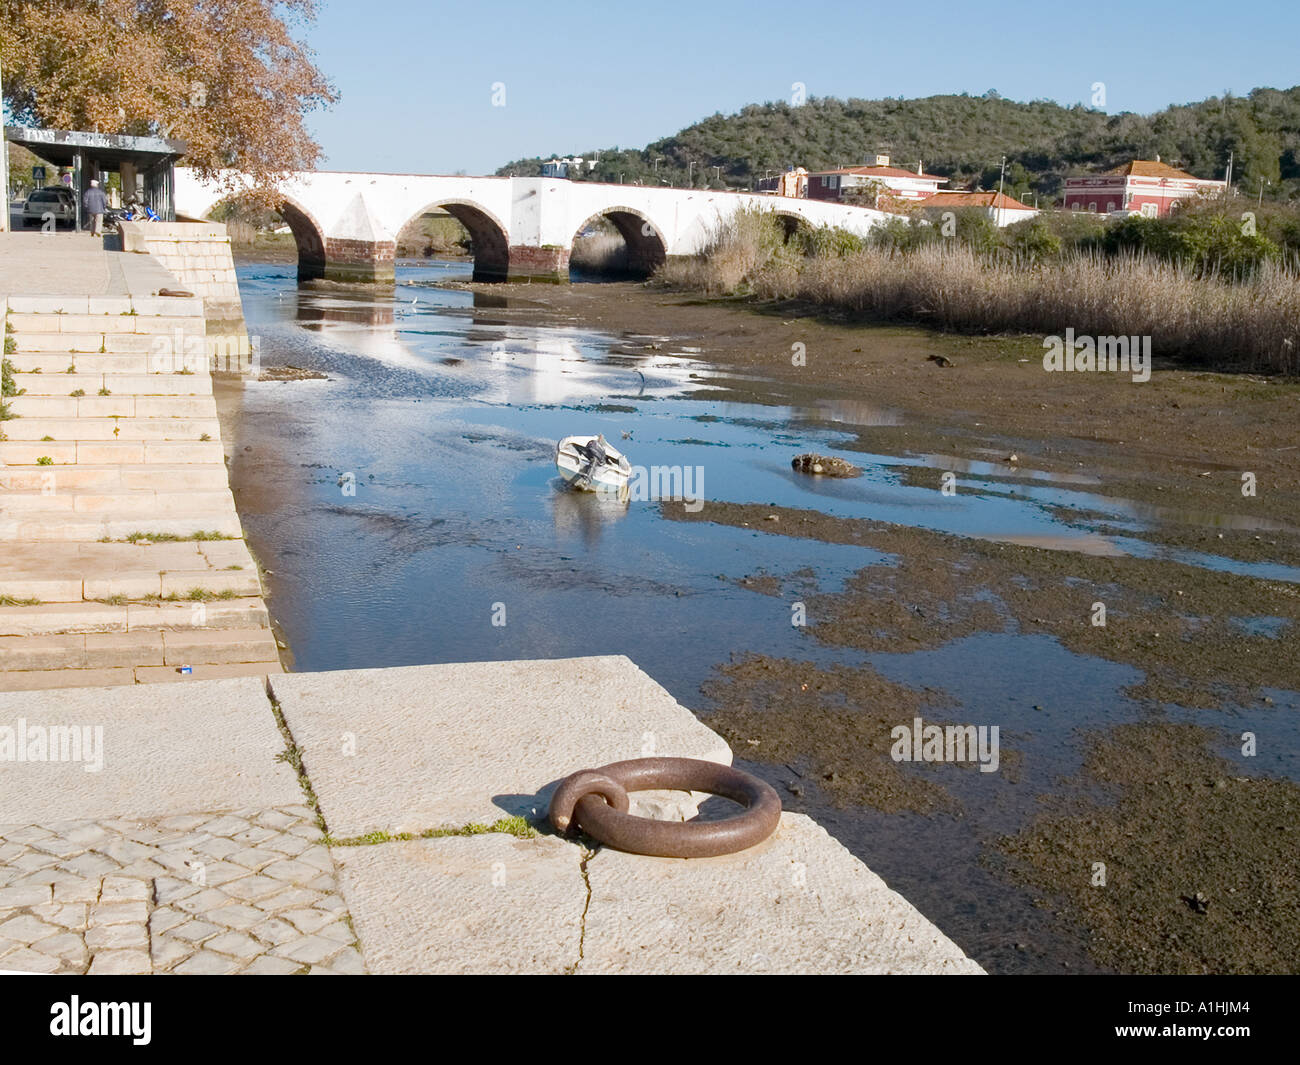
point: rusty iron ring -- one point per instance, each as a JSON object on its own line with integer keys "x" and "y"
{"x": 596, "y": 800}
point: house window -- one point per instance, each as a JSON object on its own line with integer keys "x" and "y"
{"x": 1150, "y": 210}
{"x": 1075, "y": 206}
{"x": 1092, "y": 206}
{"x": 1110, "y": 206}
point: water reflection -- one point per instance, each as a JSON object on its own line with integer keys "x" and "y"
{"x": 585, "y": 515}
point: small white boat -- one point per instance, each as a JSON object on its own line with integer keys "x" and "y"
{"x": 593, "y": 464}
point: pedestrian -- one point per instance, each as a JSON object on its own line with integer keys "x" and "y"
{"x": 95, "y": 203}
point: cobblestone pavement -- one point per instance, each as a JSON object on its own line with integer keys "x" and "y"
{"x": 253, "y": 891}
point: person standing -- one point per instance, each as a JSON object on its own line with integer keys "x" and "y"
{"x": 95, "y": 204}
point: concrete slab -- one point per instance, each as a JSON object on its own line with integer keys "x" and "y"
{"x": 423, "y": 747}
{"x": 799, "y": 903}
{"x": 473, "y": 904}
{"x": 212, "y": 746}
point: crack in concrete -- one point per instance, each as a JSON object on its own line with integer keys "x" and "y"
{"x": 292, "y": 755}
{"x": 587, "y": 855}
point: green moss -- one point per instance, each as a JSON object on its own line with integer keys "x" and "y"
{"x": 511, "y": 826}
{"x": 173, "y": 538}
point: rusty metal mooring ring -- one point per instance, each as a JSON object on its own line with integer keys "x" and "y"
{"x": 596, "y": 800}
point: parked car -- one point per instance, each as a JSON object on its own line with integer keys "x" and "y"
{"x": 55, "y": 200}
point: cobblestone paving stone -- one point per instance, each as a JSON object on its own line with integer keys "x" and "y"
{"x": 252, "y": 891}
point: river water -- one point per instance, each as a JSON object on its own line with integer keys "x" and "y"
{"x": 410, "y": 501}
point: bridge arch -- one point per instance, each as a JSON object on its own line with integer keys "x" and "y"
{"x": 646, "y": 247}
{"x": 308, "y": 233}
{"x": 490, "y": 238}
{"x": 791, "y": 222}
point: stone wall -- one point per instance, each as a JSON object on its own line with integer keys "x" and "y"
{"x": 199, "y": 255}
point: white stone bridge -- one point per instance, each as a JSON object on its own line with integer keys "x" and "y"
{"x": 346, "y": 224}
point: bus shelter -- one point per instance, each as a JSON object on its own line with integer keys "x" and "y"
{"x": 146, "y": 166}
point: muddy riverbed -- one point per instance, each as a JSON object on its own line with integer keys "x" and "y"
{"x": 398, "y": 487}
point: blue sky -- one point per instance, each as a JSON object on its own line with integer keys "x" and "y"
{"x": 416, "y": 76}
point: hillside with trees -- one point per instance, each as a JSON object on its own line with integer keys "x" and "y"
{"x": 964, "y": 137}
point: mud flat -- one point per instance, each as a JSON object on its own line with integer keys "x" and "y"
{"x": 1168, "y": 845}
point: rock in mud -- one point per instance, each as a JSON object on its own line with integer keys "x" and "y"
{"x": 824, "y": 466}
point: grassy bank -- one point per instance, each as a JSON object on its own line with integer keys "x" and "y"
{"x": 1196, "y": 313}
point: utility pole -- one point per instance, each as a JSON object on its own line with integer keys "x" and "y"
{"x": 690, "y": 171}
{"x": 1227, "y": 178}
{"x": 997, "y": 216}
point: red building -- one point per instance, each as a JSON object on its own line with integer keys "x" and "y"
{"x": 1151, "y": 188}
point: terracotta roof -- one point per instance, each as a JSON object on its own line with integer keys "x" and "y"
{"x": 1000, "y": 200}
{"x": 1148, "y": 168}
{"x": 878, "y": 171}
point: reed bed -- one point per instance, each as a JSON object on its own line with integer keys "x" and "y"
{"x": 1250, "y": 323}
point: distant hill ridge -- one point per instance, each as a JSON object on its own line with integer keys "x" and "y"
{"x": 964, "y": 138}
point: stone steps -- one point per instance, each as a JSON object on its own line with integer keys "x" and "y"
{"x": 162, "y": 555}
{"x": 114, "y": 650}
{"x": 51, "y": 619}
{"x": 107, "y": 343}
{"x": 102, "y": 452}
{"x": 112, "y": 406}
{"x": 97, "y": 362}
{"x": 136, "y": 586}
{"x": 119, "y": 384}
{"x": 123, "y": 306}
{"x": 40, "y": 680}
{"x": 123, "y": 503}
{"x": 105, "y": 477}
{"x": 75, "y": 572}
{"x": 109, "y": 428}
{"x": 20, "y": 325}
{"x": 59, "y": 525}
{"x": 81, "y": 473}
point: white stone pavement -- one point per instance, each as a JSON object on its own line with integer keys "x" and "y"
{"x": 195, "y": 848}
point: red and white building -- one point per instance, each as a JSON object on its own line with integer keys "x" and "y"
{"x": 1141, "y": 186}
{"x": 891, "y": 182}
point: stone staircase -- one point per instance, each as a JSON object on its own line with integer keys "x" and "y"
{"x": 121, "y": 555}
